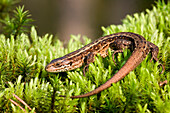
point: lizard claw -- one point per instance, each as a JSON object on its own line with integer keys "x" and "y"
{"x": 163, "y": 83}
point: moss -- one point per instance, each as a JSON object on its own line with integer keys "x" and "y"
{"x": 22, "y": 71}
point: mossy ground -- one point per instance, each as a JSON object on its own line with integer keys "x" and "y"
{"x": 22, "y": 71}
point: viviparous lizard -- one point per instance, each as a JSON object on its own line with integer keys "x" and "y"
{"x": 116, "y": 42}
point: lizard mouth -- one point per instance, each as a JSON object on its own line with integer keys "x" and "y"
{"x": 50, "y": 68}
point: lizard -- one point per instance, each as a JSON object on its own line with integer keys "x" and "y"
{"x": 117, "y": 42}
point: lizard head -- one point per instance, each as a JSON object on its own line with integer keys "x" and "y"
{"x": 58, "y": 65}
{"x": 63, "y": 64}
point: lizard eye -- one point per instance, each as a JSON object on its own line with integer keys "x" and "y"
{"x": 57, "y": 64}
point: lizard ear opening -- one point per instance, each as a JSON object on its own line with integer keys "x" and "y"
{"x": 70, "y": 63}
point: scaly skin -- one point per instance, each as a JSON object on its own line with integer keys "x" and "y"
{"x": 117, "y": 42}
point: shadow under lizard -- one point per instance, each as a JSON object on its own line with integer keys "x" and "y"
{"x": 116, "y": 42}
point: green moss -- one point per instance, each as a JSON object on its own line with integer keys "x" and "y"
{"x": 22, "y": 71}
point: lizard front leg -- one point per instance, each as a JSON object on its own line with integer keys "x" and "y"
{"x": 88, "y": 59}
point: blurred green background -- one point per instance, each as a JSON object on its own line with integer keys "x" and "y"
{"x": 85, "y": 17}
